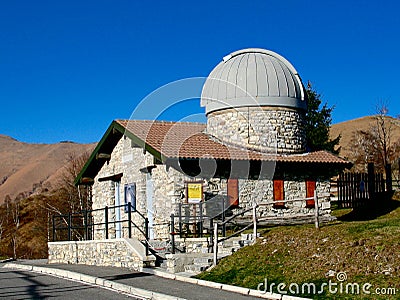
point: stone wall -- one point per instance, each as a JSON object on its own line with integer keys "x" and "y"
{"x": 117, "y": 253}
{"x": 166, "y": 183}
{"x": 261, "y": 192}
{"x": 127, "y": 160}
{"x": 269, "y": 129}
{"x": 159, "y": 192}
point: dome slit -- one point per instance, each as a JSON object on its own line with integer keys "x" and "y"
{"x": 284, "y": 70}
{"x": 240, "y": 80}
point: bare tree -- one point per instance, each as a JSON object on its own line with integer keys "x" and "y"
{"x": 78, "y": 196}
{"x": 2, "y": 219}
{"x": 376, "y": 144}
{"x": 70, "y": 198}
{"x": 383, "y": 131}
{"x": 14, "y": 208}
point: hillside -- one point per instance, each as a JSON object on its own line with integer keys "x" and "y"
{"x": 358, "y": 248}
{"x": 28, "y": 168}
{"x": 348, "y": 128}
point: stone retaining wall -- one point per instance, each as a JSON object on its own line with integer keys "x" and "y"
{"x": 115, "y": 253}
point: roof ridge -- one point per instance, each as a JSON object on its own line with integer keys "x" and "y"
{"x": 160, "y": 121}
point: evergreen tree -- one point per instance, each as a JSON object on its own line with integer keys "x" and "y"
{"x": 317, "y": 124}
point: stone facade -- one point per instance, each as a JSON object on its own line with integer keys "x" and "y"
{"x": 269, "y": 129}
{"x": 261, "y": 192}
{"x": 159, "y": 192}
{"x": 164, "y": 185}
{"x": 116, "y": 253}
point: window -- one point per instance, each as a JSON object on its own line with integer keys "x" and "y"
{"x": 279, "y": 194}
{"x": 310, "y": 188}
{"x": 233, "y": 192}
{"x": 130, "y": 196}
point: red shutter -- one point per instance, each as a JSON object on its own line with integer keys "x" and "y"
{"x": 233, "y": 192}
{"x": 310, "y": 188}
{"x": 278, "y": 193}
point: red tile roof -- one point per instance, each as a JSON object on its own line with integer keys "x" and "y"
{"x": 188, "y": 140}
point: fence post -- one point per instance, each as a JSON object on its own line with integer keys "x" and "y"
{"x": 339, "y": 190}
{"x": 180, "y": 219}
{"x": 201, "y": 219}
{"x": 371, "y": 181}
{"x": 106, "y": 220}
{"x": 85, "y": 224}
{"x": 254, "y": 221}
{"x": 173, "y": 233}
{"x": 215, "y": 244}
{"x": 129, "y": 220}
{"x": 90, "y": 226}
{"x": 54, "y": 229}
{"x": 388, "y": 171}
{"x": 223, "y": 217}
{"x": 316, "y": 210}
{"x": 146, "y": 231}
{"x": 69, "y": 226}
{"x": 211, "y": 232}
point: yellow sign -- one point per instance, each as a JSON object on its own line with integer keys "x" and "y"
{"x": 194, "y": 192}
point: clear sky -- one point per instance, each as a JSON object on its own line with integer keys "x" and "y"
{"x": 68, "y": 68}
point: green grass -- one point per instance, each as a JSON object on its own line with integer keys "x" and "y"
{"x": 368, "y": 251}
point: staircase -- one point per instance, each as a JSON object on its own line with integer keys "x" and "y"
{"x": 197, "y": 257}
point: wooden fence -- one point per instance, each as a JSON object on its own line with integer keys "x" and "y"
{"x": 360, "y": 189}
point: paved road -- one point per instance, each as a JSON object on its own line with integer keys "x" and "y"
{"x": 16, "y": 284}
{"x": 148, "y": 282}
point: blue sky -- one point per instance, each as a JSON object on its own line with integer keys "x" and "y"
{"x": 68, "y": 68}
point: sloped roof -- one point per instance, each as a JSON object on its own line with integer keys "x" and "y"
{"x": 181, "y": 140}
{"x": 188, "y": 140}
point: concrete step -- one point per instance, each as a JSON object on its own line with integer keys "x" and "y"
{"x": 196, "y": 268}
{"x": 202, "y": 260}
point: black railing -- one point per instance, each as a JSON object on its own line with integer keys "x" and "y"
{"x": 80, "y": 226}
{"x": 197, "y": 219}
{"x": 201, "y": 219}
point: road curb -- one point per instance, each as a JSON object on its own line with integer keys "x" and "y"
{"x": 119, "y": 287}
{"x": 142, "y": 293}
{"x": 226, "y": 287}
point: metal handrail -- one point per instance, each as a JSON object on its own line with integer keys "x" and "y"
{"x": 88, "y": 224}
{"x": 217, "y": 240}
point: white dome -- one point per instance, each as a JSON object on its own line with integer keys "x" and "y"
{"x": 253, "y": 77}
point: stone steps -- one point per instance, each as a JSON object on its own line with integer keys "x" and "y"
{"x": 200, "y": 259}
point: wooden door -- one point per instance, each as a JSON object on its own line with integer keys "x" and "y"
{"x": 310, "y": 188}
{"x": 279, "y": 193}
{"x": 233, "y": 192}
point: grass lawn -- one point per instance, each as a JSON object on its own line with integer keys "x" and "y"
{"x": 365, "y": 245}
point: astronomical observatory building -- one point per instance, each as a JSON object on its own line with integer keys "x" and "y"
{"x": 252, "y": 151}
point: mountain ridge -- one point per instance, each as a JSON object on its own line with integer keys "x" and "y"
{"x": 347, "y": 129}
{"x": 27, "y": 168}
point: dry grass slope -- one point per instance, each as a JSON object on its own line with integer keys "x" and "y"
{"x": 27, "y": 168}
{"x": 348, "y": 128}
{"x": 367, "y": 251}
